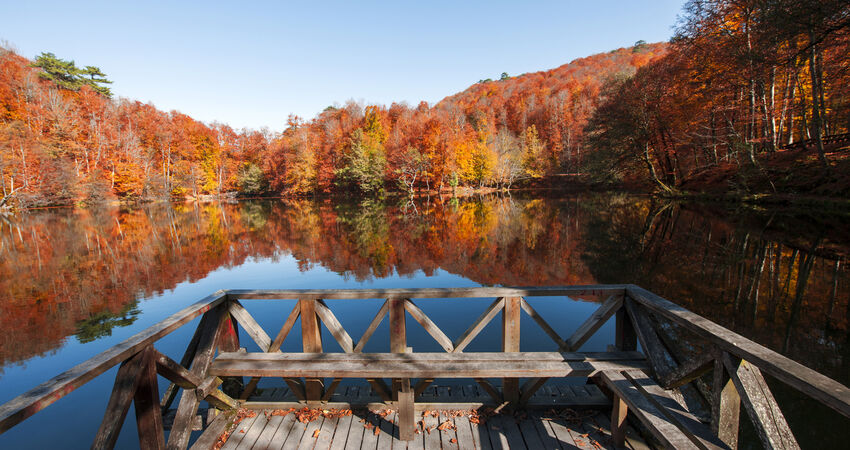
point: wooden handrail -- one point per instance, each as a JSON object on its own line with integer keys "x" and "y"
{"x": 25, "y": 405}
{"x": 424, "y": 293}
{"x": 808, "y": 381}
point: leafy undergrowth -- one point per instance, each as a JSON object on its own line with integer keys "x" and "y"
{"x": 785, "y": 173}
{"x": 371, "y": 420}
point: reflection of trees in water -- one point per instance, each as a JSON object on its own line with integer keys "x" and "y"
{"x": 790, "y": 295}
{"x": 751, "y": 272}
{"x": 102, "y": 323}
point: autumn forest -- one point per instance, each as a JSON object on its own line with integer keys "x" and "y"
{"x": 745, "y": 93}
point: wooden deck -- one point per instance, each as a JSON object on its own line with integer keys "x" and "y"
{"x": 565, "y": 429}
{"x": 687, "y": 388}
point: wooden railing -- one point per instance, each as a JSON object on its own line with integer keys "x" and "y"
{"x": 735, "y": 363}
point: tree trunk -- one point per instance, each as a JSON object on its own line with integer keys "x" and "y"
{"x": 816, "y": 108}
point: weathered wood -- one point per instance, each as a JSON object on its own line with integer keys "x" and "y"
{"x": 428, "y": 325}
{"x": 333, "y": 325}
{"x": 176, "y": 373}
{"x": 185, "y": 361}
{"x": 215, "y": 429}
{"x": 699, "y": 433}
{"x": 690, "y": 370}
{"x": 725, "y": 405}
{"x": 593, "y": 323}
{"x": 659, "y": 358}
{"x": 311, "y": 342}
{"x": 146, "y": 403}
{"x": 297, "y": 388}
{"x": 250, "y": 325}
{"x": 405, "y": 411}
{"x": 381, "y": 388}
{"x": 421, "y": 386}
{"x": 529, "y": 388}
{"x": 665, "y": 431}
{"x": 543, "y": 324}
{"x": 428, "y": 293}
{"x": 619, "y": 410}
{"x": 398, "y": 335}
{"x": 123, "y": 391}
{"x": 510, "y": 343}
{"x": 218, "y": 399}
{"x": 821, "y": 388}
{"x": 373, "y": 325}
{"x": 479, "y": 324}
{"x": 767, "y": 418}
{"x": 329, "y": 391}
{"x": 285, "y": 329}
{"x": 38, "y": 398}
{"x": 178, "y": 439}
{"x": 206, "y": 386}
{"x": 491, "y": 390}
{"x": 625, "y": 338}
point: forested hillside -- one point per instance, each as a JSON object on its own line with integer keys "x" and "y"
{"x": 64, "y": 140}
{"x": 713, "y": 108}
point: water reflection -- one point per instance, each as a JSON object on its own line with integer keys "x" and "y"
{"x": 777, "y": 277}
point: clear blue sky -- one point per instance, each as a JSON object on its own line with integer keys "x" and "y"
{"x": 252, "y": 63}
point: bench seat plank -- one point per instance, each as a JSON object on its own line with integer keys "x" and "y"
{"x": 424, "y": 365}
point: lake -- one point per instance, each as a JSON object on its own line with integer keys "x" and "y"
{"x": 74, "y": 282}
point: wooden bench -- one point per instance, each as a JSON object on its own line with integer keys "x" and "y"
{"x": 404, "y": 366}
{"x": 668, "y": 422}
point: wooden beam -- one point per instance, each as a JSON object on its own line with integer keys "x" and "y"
{"x": 528, "y": 389}
{"x": 373, "y": 325}
{"x": 250, "y": 325}
{"x": 297, "y": 388}
{"x": 428, "y": 325}
{"x": 688, "y": 371}
{"x": 381, "y": 388}
{"x": 421, "y": 386}
{"x": 625, "y": 338}
{"x": 815, "y": 385}
{"x": 311, "y": 342}
{"x": 479, "y": 324}
{"x": 428, "y": 293}
{"x": 544, "y": 325}
{"x": 619, "y": 410}
{"x": 285, "y": 329}
{"x": 329, "y": 392}
{"x": 185, "y": 361}
{"x": 176, "y": 373}
{"x": 725, "y": 405}
{"x": 659, "y": 358}
{"x": 510, "y": 343}
{"x": 178, "y": 439}
{"x": 760, "y": 405}
{"x": 274, "y": 347}
{"x": 146, "y": 403}
{"x": 41, "y": 396}
{"x": 491, "y": 390}
{"x": 406, "y": 426}
{"x": 123, "y": 391}
{"x": 333, "y": 325}
{"x": 398, "y": 336}
{"x": 593, "y": 323}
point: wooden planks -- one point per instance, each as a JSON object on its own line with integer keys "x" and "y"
{"x": 421, "y": 365}
{"x": 593, "y": 323}
{"x": 38, "y": 398}
{"x": 476, "y": 292}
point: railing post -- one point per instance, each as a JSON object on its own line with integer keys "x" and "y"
{"x": 146, "y": 402}
{"x": 229, "y": 342}
{"x": 510, "y": 343}
{"x": 398, "y": 335}
{"x": 311, "y": 341}
{"x": 726, "y": 405}
{"x": 625, "y": 338}
{"x": 619, "y": 410}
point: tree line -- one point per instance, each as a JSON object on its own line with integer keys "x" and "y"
{"x": 64, "y": 140}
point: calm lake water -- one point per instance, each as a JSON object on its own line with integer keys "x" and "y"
{"x": 75, "y": 282}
